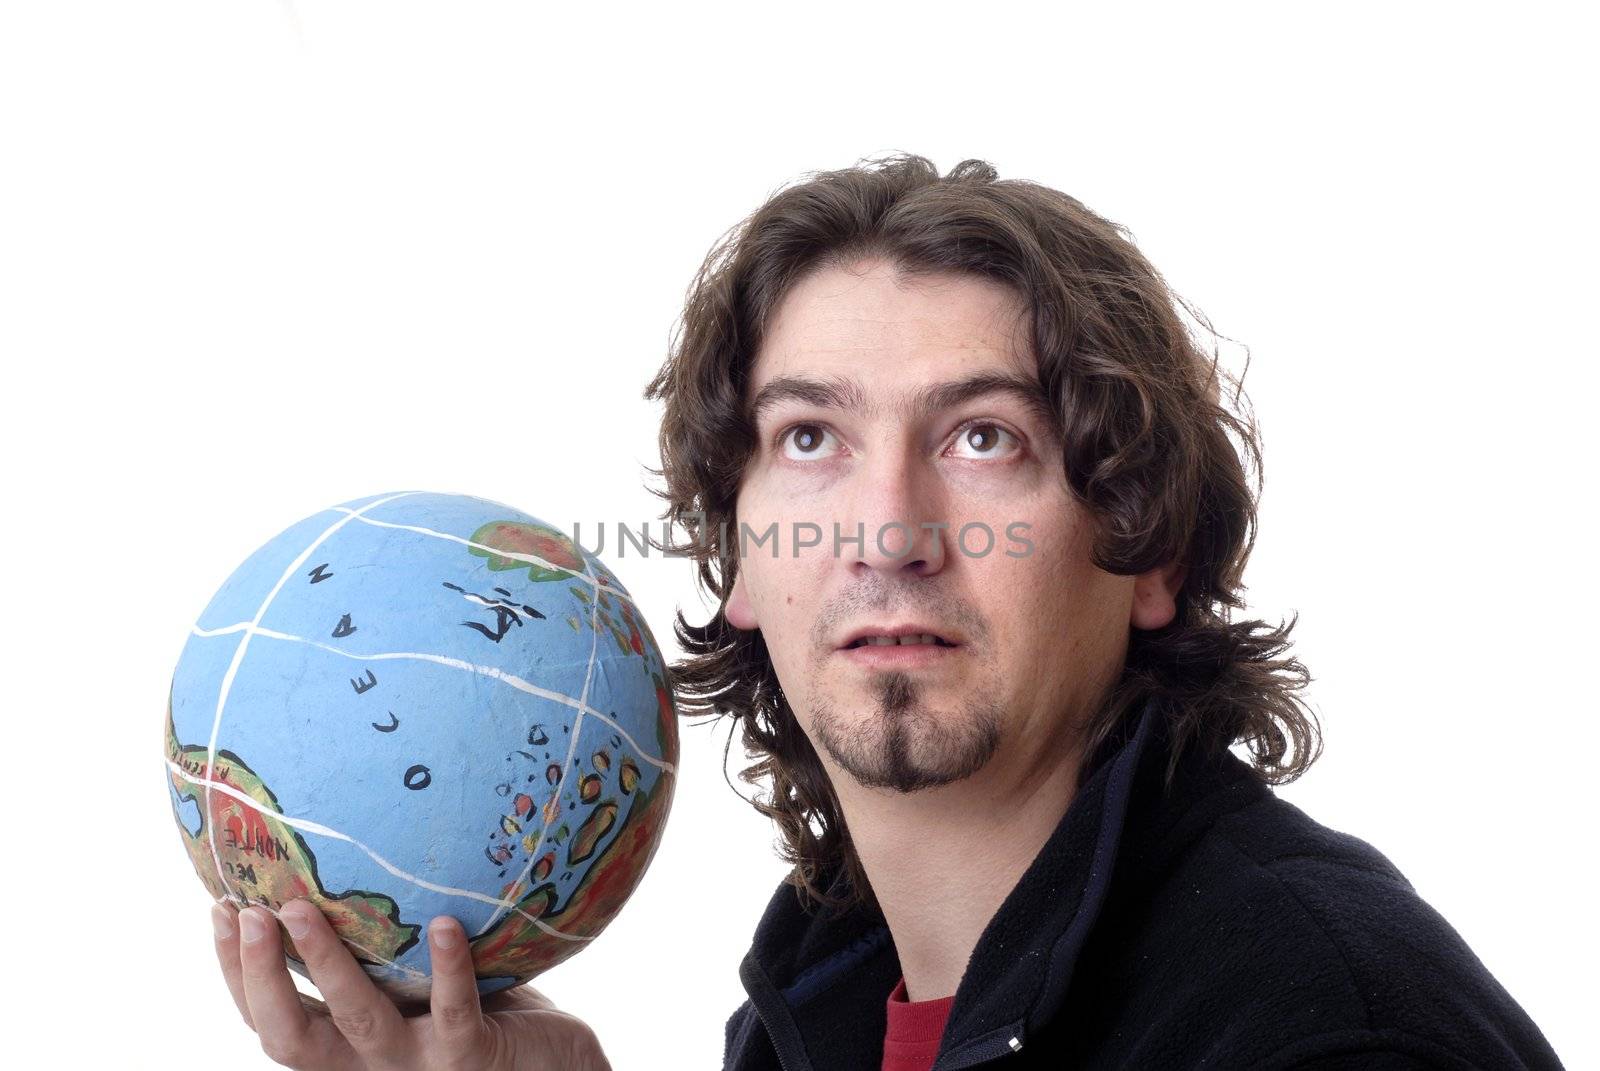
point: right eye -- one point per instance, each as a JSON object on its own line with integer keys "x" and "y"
{"x": 804, "y": 442}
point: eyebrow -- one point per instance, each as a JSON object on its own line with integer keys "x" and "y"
{"x": 843, "y": 392}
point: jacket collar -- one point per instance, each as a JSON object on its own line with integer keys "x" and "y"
{"x": 808, "y": 974}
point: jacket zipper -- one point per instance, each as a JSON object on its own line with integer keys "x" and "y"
{"x": 762, "y": 993}
{"x": 978, "y": 1053}
{"x": 777, "y": 1050}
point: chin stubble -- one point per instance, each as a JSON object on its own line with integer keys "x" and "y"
{"x": 901, "y": 745}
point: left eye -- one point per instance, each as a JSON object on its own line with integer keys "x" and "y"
{"x": 985, "y": 441}
{"x": 805, "y": 441}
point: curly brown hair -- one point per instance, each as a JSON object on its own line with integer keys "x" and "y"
{"x": 1163, "y": 466}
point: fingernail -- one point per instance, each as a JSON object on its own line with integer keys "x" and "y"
{"x": 295, "y": 921}
{"x": 444, "y": 934}
{"x": 222, "y": 921}
{"x": 251, "y": 928}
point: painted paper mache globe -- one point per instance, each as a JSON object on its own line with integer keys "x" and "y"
{"x": 422, "y": 704}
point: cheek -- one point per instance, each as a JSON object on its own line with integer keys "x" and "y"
{"x": 1048, "y": 554}
{"x": 1053, "y": 595}
{"x": 784, "y": 593}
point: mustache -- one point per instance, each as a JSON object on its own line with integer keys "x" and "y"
{"x": 876, "y": 596}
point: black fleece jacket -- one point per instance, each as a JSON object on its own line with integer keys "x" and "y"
{"x": 1212, "y": 925}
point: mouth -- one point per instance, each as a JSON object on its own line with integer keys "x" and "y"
{"x": 905, "y": 653}
{"x": 923, "y": 639}
{"x": 914, "y": 645}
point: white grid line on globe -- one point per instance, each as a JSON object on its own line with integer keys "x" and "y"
{"x": 453, "y": 663}
{"x": 307, "y": 826}
{"x": 238, "y": 656}
{"x": 514, "y": 555}
{"x": 572, "y": 749}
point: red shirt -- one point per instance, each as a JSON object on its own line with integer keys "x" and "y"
{"x": 915, "y": 1027}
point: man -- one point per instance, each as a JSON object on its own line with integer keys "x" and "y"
{"x": 1019, "y": 837}
{"x": 973, "y": 508}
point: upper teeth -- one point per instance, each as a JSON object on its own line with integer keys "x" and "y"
{"x": 885, "y": 641}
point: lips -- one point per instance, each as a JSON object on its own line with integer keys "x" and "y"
{"x": 908, "y": 635}
{"x": 896, "y": 651}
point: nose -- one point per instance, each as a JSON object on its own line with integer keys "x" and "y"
{"x": 898, "y": 518}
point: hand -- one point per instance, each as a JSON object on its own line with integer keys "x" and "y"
{"x": 360, "y": 1028}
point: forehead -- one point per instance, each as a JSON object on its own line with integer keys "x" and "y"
{"x": 890, "y": 332}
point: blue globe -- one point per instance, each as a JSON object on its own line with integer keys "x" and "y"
{"x": 420, "y": 704}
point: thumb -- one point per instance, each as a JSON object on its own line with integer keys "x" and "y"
{"x": 457, "y": 1017}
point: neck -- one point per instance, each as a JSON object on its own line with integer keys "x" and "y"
{"x": 941, "y": 861}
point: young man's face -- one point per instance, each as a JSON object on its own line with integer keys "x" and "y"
{"x": 1037, "y": 632}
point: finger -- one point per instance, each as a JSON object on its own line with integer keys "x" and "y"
{"x": 457, "y": 1016}
{"x": 367, "y": 1019}
{"x": 224, "y": 921}
{"x": 280, "y": 1019}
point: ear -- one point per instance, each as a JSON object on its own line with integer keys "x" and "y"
{"x": 739, "y": 611}
{"x": 1155, "y": 596}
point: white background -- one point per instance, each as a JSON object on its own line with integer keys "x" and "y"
{"x": 257, "y": 258}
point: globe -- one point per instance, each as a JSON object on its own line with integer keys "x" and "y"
{"x": 420, "y": 704}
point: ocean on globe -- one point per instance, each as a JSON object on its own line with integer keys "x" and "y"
{"x": 422, "y": 704}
